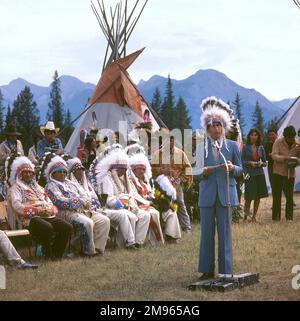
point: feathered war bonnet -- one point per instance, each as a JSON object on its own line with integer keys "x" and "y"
{"x": 163, "y": 184}
{"x": 114, "y": 157}
{"x": 74, "y": 164}
{"x": 15, "y": 167}
{"x": 216, "y": 111}
{"x": 138, "y": 158}
{"x": 164, "y": 190}
{"x": 55, "y": 164}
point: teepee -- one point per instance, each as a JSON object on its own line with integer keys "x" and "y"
{"x": 292, "y": 118}
{"x": 116, "y": 98}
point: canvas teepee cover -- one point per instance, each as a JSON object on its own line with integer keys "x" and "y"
{"x": 292, "y": 118}
{"x": 116, "y": 98}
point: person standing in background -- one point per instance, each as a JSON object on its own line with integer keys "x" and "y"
{"x": 272, "y": 136}
{"x": 11, "y": 146}
{"x": 254, "y": 159}
{"x": 286, "y": 155}
{"x": 32, "y": 153}
{"x": 173, "y": 162}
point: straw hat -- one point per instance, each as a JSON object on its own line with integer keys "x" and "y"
{"x": 50, "y": 127}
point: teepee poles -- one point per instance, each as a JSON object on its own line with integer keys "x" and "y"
{"x": 117, "y": 25}
{"x": 297, "y": 3}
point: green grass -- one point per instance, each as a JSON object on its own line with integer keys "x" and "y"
{"x": 163, "y": 273}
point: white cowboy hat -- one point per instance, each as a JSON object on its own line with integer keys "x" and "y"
{"x": 49, "y": 126}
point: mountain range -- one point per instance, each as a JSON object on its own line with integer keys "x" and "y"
{"x": 193, "y": 89}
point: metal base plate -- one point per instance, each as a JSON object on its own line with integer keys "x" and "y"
{"x": 223, "y": 284}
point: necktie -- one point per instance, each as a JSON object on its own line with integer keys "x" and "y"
{"x": 215, "y": 153}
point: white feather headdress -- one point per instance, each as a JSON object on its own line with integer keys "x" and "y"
{"x": 112, "y": 156}
{"x": 56, "y": 161}
{"x": 166, "y": 186}
{"x": 74, "y": 162}
{"x": 212, "y": 101}
{"x": 212, "y": 110}
{"x": 141, "y": 159}
{"x": 137, "y": 156}
{"x": 19, "y": 164}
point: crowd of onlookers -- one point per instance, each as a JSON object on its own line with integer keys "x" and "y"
{"x": 281, "y": 156}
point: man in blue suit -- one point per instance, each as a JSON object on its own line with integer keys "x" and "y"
{"x": 217, "y": 195}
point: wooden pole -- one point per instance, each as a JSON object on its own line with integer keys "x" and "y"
{"x": 126, "y": 6}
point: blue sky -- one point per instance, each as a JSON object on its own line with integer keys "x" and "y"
{"x": 255, "y": 43}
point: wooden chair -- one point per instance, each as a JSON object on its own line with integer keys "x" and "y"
{"x": 14, "y": 233}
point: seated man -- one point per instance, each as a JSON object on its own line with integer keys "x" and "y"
{"x": 76, "y": 208}
{"x": 118, "y": 219}
{"x": 173, "y": 162}
{"x": 35, "y": 211}
{"x": 112, "y": 181}
{"x": 11, "y": 254}
{"x": 140, "y": 175}
{"x": 50, "y": 143}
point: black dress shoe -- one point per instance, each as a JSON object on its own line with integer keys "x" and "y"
{"x": 206, "y": 276}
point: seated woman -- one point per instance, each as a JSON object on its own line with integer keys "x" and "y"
{"x": 11, "y": 254}
{"x": 76, "y": 208}
{"x": 35, "y": 211}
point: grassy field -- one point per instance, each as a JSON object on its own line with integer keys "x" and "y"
{"x": 163, "y": 273}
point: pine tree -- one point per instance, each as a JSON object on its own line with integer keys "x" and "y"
{"x": 257, "y": 118}
{"x": 237, "y": 106}
{"x": 1, "y": 115}
{"x": 272, "y": 124}
{"x": 56, "y": 112}
{"x": 68, "y": 128}
{"x": 182, "y": 119}
{"x": 156, "y": 101}
{"x": 8, "y": 119}
{"x": 25, "y": 115}
{"x": 168, "y": 106}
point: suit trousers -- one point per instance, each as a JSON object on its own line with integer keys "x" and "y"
{"x": 210, "y": 217}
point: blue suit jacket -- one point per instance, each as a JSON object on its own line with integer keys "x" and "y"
{"x": 215, "y": 184}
